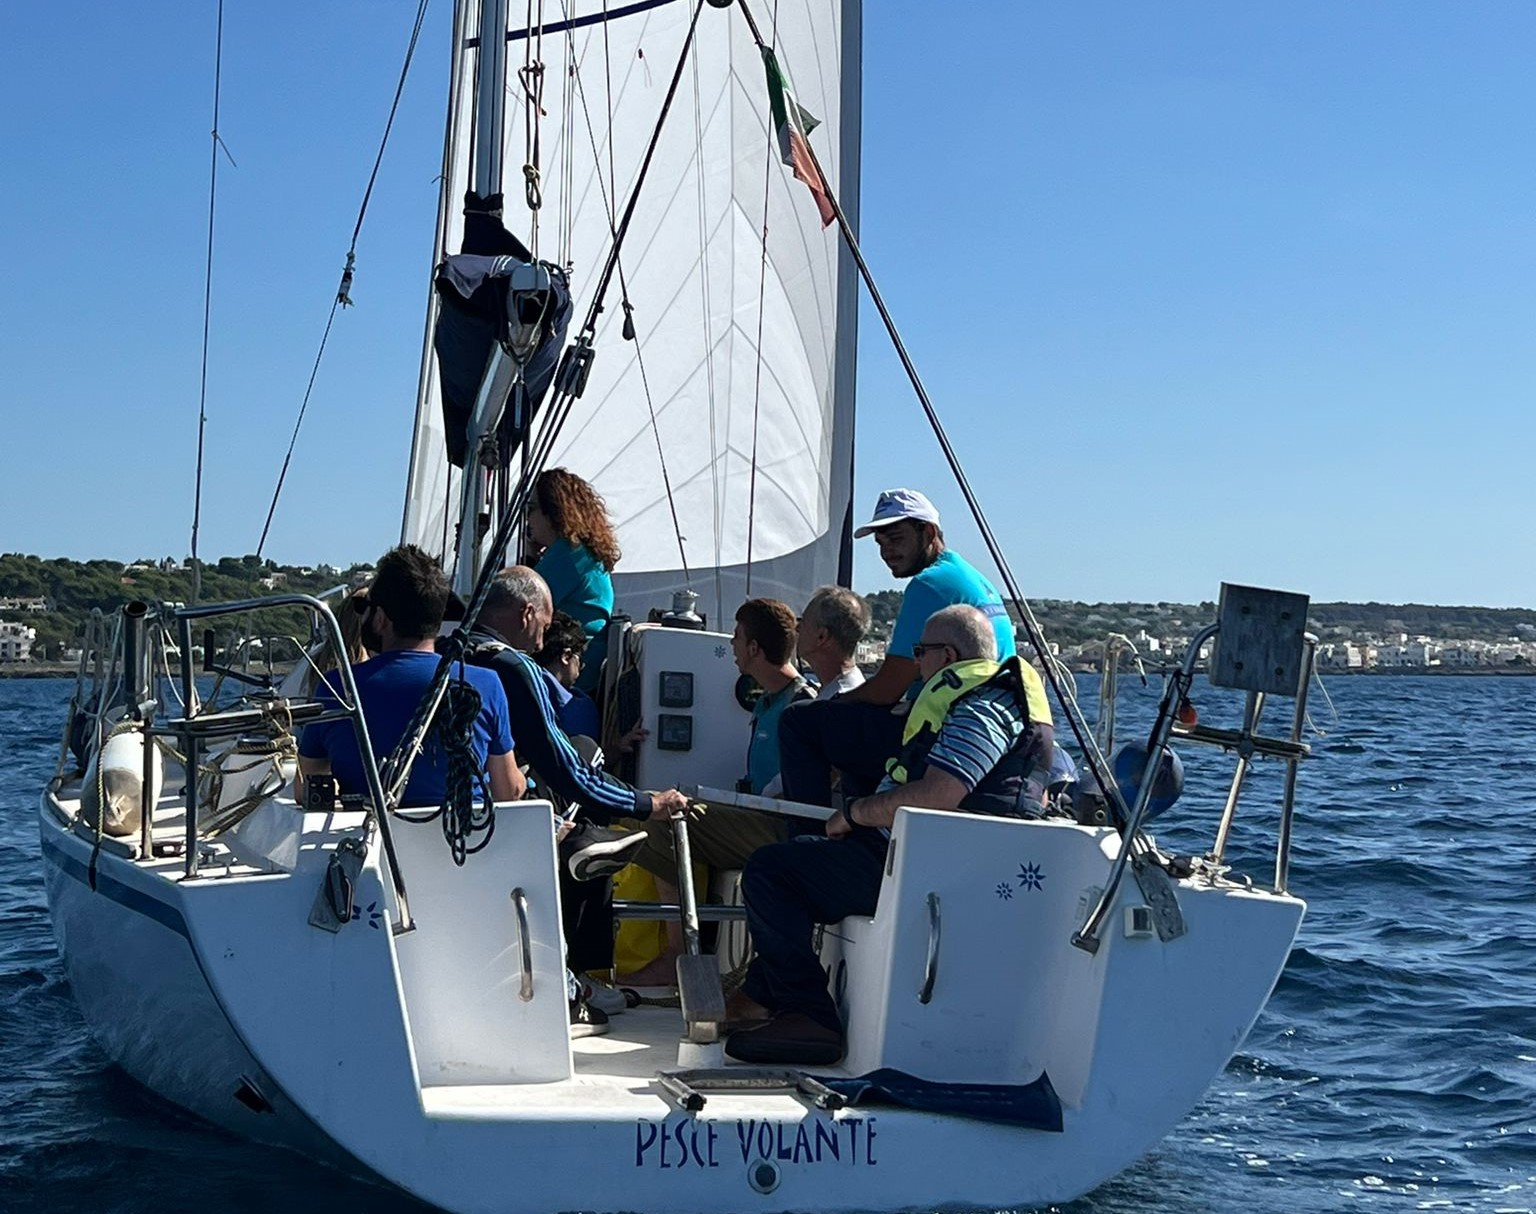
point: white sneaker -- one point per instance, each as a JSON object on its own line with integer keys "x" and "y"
{"x": 605, "y": 997}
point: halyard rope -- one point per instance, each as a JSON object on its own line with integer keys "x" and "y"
{"x": 343, "y": 292}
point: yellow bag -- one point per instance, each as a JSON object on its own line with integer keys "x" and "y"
{"x": 638, "y": 942}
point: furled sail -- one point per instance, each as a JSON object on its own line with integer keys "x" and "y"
{"x": 752, "y": 435}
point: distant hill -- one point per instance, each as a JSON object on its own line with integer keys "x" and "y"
{"x": 74, "y": 588}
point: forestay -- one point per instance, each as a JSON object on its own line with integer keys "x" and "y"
{"x": 756, "y": 436}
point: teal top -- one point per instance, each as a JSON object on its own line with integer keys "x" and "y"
{"x": 949, "y": 580}
{"x": 581, "y": 588}
{"x": 763, "y": 749}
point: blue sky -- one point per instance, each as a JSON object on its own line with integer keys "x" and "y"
{"x": 1204, "y": 291}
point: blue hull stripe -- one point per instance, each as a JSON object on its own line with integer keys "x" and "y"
{"x": 135, "y": 900}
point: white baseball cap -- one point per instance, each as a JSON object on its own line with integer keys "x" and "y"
{"x": 895, "y": 505}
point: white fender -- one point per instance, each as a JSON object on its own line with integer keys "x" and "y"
{"x": 121, "y": 780}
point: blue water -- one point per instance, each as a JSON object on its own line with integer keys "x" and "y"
{"x": 1395, "y": 1068}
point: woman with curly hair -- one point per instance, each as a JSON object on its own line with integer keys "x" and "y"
{"x": 568, "y": 526}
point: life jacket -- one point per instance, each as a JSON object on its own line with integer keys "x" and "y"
{"x": 1000, "y": 789}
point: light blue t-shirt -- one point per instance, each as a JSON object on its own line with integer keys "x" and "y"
{"x": 581, "y": 588}
{"x": 949, "y": 580}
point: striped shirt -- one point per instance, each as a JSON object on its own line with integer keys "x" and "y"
{"x": 979, "y": 730}
{"x": 544, "y": 746}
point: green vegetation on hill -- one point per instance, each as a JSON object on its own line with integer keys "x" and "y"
{"x": 75, "y": 588}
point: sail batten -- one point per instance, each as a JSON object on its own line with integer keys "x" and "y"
{"x": 693, "y": 268}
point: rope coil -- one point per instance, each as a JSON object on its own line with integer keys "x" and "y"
{"x": 464, "y": 814}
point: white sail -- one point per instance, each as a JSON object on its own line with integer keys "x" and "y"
{"x": 756, "y": 436}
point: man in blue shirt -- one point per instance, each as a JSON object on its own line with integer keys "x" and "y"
{"x": 859, "y": 730}
{"x": 400, "y": 618}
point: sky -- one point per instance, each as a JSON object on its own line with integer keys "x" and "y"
{"x": 1203, "y": 291}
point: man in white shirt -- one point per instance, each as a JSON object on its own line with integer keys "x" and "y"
{"x": 831, "y": 627}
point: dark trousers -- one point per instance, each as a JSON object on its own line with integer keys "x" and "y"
{"x": 586, "y": 915}
{"x": 791, "y": 887}
{"x": 819, "y": 735}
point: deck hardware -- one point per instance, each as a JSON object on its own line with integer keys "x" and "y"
{"x": 698, "y": 976}
{"x": 688, "y": 1098}
{"x": 1153, "y": 881}
{"x": 763, "y": 1175}
{"x": 524, "y": 944}
{"x": 1138, "y": 923}
{"x": 820, "y": 1094}
{"x": 749, "y": 1079}
{"x": 334, "y": 901}
{"x": 252, "y": 1097}
{"x": 931, "y": 966}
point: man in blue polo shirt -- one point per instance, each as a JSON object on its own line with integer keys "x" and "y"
{"x": 859, "y": 730}
{"x": 400, "y": 618}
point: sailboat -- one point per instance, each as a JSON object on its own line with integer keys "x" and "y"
{"x": 1034, "y": 1004}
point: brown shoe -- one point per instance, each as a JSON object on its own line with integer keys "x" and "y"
{"x": 790, "y": 1038}
{"x": 742, "y": 1010}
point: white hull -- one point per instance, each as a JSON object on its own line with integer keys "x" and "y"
{"x": 411, "y": 1057}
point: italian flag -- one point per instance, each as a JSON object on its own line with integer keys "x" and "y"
{"x": 792, "y": 124}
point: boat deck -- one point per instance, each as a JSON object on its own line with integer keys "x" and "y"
{"x": 615, "y": 1079}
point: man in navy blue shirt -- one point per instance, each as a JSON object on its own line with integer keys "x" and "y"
{"x": 517, "y": 611}
{"x": 400, "y": 619}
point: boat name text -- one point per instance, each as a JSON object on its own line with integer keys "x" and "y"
{"x": 691, "y": 1143}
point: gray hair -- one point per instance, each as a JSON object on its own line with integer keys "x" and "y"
{"x": 514, "y": 588}
{"x": 842, "y": 613}
{"x": 964, "y": 629}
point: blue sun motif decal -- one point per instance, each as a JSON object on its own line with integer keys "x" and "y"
{"x": 1030, "y": 877}
{"x": 374, "y": 915}
{"x": 720, "y": 651}
{"x": 1005, "y": 891}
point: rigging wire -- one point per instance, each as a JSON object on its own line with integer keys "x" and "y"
{"x": 1068, "y": 700}
{"x": 757, "y": 371}
{"x": 531, "y": 78}
{"x": 202, "y": 396}
{"x": 706, "y": 302}
{"x": 567, "y": 171}
{"x": 396, "y": 770}
{"x": 344, "y": 290}
{"x": 645, "y": 384}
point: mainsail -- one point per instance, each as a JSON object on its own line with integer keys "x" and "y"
{"x": 755, "y": 433}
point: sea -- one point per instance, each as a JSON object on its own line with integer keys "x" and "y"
{"x": 1394, "y": 1068}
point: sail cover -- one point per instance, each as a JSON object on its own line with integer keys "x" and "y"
{"x": 752, "y": 435}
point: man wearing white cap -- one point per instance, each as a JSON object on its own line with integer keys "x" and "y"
{"x": 859, "y": 730}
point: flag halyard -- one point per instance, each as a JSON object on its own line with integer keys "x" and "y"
{"x": 792, "y": 123}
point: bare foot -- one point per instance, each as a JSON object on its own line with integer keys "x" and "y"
{"x": 660, "y": 972}
{"x": 741, "y": 1006}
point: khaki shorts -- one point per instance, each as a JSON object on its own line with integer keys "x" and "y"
{"x": 720, "y": 837}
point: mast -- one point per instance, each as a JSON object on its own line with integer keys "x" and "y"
{"x": 488, "y": 135}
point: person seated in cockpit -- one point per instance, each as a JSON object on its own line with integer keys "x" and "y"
{"x": 562, "y": 657}
{"x": 976, "y": 730}
{"x": 398, "y": 618}
{"x": 722, "y": 837}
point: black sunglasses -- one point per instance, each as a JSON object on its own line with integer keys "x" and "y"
{"x": 919, "y": 649}
{"x": 360, "y": 603}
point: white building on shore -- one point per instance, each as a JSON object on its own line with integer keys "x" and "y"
{"x": 16, "y": 642}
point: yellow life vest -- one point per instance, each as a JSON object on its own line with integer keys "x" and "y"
{"x": 940, "y": 694}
